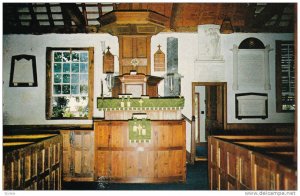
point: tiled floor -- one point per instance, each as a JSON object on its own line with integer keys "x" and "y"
{"x": 197, "y": 179}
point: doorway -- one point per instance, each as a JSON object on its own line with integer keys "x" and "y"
{"x": 210, "y": 114}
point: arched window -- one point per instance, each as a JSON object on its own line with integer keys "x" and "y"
{"x": 251, "y": 43}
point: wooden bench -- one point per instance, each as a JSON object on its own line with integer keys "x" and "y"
{"x": 32, "y": 162}
{"x": 244, "y": 162}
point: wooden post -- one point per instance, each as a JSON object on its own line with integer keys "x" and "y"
{"x": 193, "y": 143}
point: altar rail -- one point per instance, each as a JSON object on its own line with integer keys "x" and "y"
{"x": 251, "y": 163}
{"x": 32, "y": 162}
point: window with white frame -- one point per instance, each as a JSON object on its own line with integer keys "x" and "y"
{"x": 69, "y": 83}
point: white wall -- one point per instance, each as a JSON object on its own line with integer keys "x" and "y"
{"x": 27, "y": 105}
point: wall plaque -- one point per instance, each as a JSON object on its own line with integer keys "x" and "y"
{"x": 251, "y": 105}
{"x": 23, "y": 71}
{"x": 108, "y": 62}
{"x": 159, "y": 60}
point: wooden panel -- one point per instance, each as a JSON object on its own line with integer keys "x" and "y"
{"x": 244, "y": 166}
{"x": 103, "y": 133}
{"x": 146, "y": 164}
{"x": 160, "y": 160}
{"x": 132, "y": 164}
{"x": 141, "y": 47}
{"x": 127, "y": 49}
{"x": 24, "y": 168}
{"x": 78, "y": 155}
{"x": 163, "y": 163}
{"x": 117, "y": 131}
{"x": 239, "y": 168}
{"x": 102, "y": 163}
{"x": 117, "y": 164}
{"x": 108, "y": 62}
{"x": 175, "y": 163}
{"x": 131, "y": 47}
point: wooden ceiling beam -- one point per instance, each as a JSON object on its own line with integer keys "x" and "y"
{"x": 84, "y": 13}
{"x": 267, "y": 13}
{"x": 34, "y": 22}
{"x": 51, "y": 22}
{"x": 176, "y": 11}
{"x": 99, "y": 9}
{"x": 66, "y": 19}
{"x": 73, "y": 12}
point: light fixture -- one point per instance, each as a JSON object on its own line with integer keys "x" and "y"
{"x": 110, "y": 81}
{"x": 170, "y": 79}
{"x": 226, "y": 27}
{"x": 103, "y": 46}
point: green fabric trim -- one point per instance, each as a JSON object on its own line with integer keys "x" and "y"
{"x": 139, "y": 130}
{"x": 139, "y": 103}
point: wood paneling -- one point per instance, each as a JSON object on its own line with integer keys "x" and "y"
{"x": 33, "y": 167}
{"x": 160, "y": 160}
{"x": 134, "y": 47}
{"x": 78, "y": 155}
{"x": 236, "y": 167}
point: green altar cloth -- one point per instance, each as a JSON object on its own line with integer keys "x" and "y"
{"x": 139, "y": 130}
{"x": 108, "y": 104}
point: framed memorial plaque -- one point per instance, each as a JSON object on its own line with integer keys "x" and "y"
{"x": 23, "y": 71}
{"x": 251, "y": 105}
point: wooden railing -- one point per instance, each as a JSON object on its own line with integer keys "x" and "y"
{"x": 193, "y": 142}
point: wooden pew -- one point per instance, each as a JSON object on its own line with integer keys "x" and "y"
{"x": 32, "y": 162}
{"x": 244, "y": 162}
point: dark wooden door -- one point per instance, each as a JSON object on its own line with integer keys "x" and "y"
{"x": 214, "y": 109}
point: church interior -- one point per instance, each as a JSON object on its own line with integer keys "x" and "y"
{"x": 149, "y": 96}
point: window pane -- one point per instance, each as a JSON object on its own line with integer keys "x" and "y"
{"x": 66, "y": 56}
{"x": 75, "y": 56}
{"x": 59, "y": 105}
{"x": 57, "y": 89}
{"x": 57, "y": 78}
{"x": 286, "y": 79}
{"x": 66, "y": 78}
{"x": 83, "y": 78}
{"x": 83, "y": 89}
{"x": 75, "y": 78}
{"x": 84, "y": 57}
{"x": 75, "y": 67}
{"x": 83, "y": 67}
{"x": 70, "y": 84}
{"x": 75, "y": 89}
{"x": 66, "y": 68}
{"x": 66, "y": 89}
{"x": 57, "y": 56}
{"x": 57, "y": 67}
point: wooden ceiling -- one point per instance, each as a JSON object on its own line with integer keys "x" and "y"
{"x": 41, "y": 18}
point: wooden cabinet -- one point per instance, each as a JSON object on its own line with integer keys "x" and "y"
{"x": 162, "y": 159}
{"x": 78, "y": 155}
{"x": 134, "y": 49}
